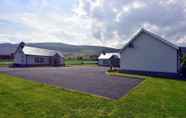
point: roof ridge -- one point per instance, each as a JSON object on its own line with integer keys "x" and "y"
{"x": 160, "y": 38}
{"x": 40, "y": 51}
{"x": 153, "y": 35}
{"x": 40, "y": 48}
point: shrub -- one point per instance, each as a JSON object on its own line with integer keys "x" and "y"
{"x": 113, "y": 70}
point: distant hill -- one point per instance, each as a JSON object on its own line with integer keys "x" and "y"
{"x": 67, "y": 49}
{"x": 183, "y": 49}
{"x": 7, "y": 48}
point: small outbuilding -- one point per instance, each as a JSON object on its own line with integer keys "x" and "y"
{"x": 148, "y": 53}
{"x": 108, "y": 59}
{"x": 33, "y": 56}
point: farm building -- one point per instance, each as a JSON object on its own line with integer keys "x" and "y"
{"x": 32, "y": 56}
{"x": 106, "y": 59}
{"x": 148, "y": 53}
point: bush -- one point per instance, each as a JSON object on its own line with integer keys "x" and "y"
{"x": 183, "y": 60}
{"x": 113, "y": 70}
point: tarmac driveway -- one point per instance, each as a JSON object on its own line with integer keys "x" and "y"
{"x": 81, "y": 78}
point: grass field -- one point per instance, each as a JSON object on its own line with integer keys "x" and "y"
{"x": 153, "y": 98}
{"x": 80, "y": 62}
{"x": 4, "y": 63}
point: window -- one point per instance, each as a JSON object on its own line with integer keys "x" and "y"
{"x": 131, "y": 45}
{"x": 39, "y": 59}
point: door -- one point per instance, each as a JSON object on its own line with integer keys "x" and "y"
{"x": 57, "y": 60}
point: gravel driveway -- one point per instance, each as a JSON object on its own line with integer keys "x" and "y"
{"x": 81, "y": 78}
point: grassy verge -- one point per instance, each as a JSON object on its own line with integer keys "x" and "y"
{"x": 21, "y": 98}
{"x": 116, "y": 73}
{"x": 153, "y": 98}
{"x": 5, "y": 63}
{"x": 80, "y": 62}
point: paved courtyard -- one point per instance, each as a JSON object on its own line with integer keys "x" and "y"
{"x": 81, "y": 78}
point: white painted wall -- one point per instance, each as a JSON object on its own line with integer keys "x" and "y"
{"x": 100, "y": 62}
{"x": 149, "y": 54}
{"x": 19, "y": 57}
{"x": 104, "y": 62}
{"x": 31, "y": 60}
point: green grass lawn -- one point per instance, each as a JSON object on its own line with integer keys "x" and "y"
{"x": 4, "y": 63}
{"x": 153, "y": 98}
{"x": 80, "y": 62}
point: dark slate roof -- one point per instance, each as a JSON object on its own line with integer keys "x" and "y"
{"x": 40, "y": 51}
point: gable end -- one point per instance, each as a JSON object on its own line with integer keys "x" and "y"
{"x": 154, "y": 36}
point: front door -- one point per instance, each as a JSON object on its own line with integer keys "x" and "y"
{"x": 57, "y": 61}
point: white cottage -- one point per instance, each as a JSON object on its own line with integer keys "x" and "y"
{"x": 105, "y": 59}
{"x": 32, "y": 56}
{"x": 148, "y": 53}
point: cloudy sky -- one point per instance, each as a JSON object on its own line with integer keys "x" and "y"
{"x": 90, "y": 22}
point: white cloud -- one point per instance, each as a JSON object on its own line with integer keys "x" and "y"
{"x": 126, "y": 9}
{"x": 181, "y": 40}
{"x": 168, "y": 2}
{"x": 85, "y": 7}
{"x": 50, "y": 27}
{"x": 115, "y": 40}
{"x": 81, "y": 9}
{"x": 151, "y": 27}
{"x": 166, "y": 18}
{"x": 138, "y": 5}
{"x": 118, "y": 16}
{"x": 97, "y": 3}
{"x": 93, "y": 22}
{"x": 133, "y": 5}
{"x": 115, "y": 10}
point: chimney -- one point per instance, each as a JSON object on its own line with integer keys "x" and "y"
{"x": 22, "y": 44}
{"x": 103, "y": 52}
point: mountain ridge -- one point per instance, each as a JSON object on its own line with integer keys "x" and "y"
{"x": 67, "y": 49}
